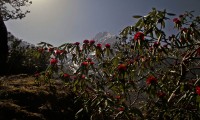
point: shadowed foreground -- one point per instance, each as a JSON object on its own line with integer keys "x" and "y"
{"x": 22, "y": 99}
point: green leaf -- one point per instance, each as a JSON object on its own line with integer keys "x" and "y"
{"x": 157, "y": 32}
{"x": 119, "y": 113}
{"x": 138, "y": 23}
{"x": 163, "y": 49}
{"x": 137, "y": 112}
{"x": 137, "y": 16}
{"x": 141, "y": 24}
{"x": 99, "y": 102}
{"x": 62, "y": 45}
{"x": 171, "y": 14}
{"x": 106, "y": 103}
{"x": 49, "y": 45}
{"x": 182, "y": 98}
{"x": 163, "y": 24}
{"x": 76, "y": 115}
{"x": 115, "y": 61}
{"x": 198, "y": 99}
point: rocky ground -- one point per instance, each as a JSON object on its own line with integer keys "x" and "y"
{"x": 21, "y": 98}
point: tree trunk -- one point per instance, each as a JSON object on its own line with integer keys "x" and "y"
{"x": 3, "y": 47}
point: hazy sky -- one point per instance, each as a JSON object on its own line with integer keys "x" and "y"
{"x": 62, "y": 21}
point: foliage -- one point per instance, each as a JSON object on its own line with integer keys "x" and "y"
{"x": 13, "y": 9}
{"x": 146, "y": 74}
{"x": 25, "y": 59}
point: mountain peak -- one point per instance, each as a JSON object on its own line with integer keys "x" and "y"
{"x": 105, "y": 37}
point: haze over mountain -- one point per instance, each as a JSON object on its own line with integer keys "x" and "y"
{"x": 105, "y": 37}
{"x": 101, "y": 37}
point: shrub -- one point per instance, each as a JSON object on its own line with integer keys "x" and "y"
{"x": 147, "y": 74}
{"x": 26, "y": 59}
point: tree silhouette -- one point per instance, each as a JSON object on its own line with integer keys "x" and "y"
{"x": 9, "y": 9}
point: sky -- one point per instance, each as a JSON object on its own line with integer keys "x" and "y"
{"x": 63, "y": 21}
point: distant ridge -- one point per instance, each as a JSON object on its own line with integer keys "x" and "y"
{"x": 105, "y": 37}
{"x": 20, "y": 42}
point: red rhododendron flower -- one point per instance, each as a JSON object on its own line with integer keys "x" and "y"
{"x": 89, "y": 59}
{"x": 53, "y": 61}
{"x": 176, "y": 20}
{"x": 198, "y": 90}
{"x": 74, "y": 77}
{"x": 139, "y": 36}
{"x": 50, "y": 49}
{"x": 91, "y": 63}
{"x": 131, "y": 61}
{"x": 156, "y": 44}
{"x": 121, "y": 109}
{"x": 99, "y": 46}
{"x": 86, "y": 41}
{"x": 122, "y": 68}
{"x": 184, "y": 30}
{"x": 92, "y": 42}
{"x": 40, "y": 50}
{"x": 76, "y": 43}
{"x": 37, "y": 74}
{"x": 118, "y": 97}
{"x": 165, "y": 46}
{"x": 84, "y": 64}
{"x": 107, "y": 45}
{"x": 151, "y": 80}
{"x": 66, "y": 75}
{"x": 83, "y": 77}
{"x": 161, "y": 94}
{"x": 151, "y": 48}
{"x": 58, "y": 52}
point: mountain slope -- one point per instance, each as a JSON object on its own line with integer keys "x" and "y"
{"x": 104, "y": 38}
{"x": 12, "y": 40}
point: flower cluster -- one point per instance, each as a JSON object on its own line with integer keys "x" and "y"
{"x": 121, "y": 108}
{"x": 151, "y": 80}
{"x": 139, "y": 36}
{"x": 177, "y": 21}
{"x": 53, "y": 61}
{"x": 184, "y": 30}
{"x": 161, "y": 94}
{"x": 59, "y": 52}
{"x": 99, "y": 46}
{"x": 86, "y": 41}
{"x": 107, "y": 45}
{"x": 37, "y": 74}
{"x": 156, "y": 44}
{"x": 92, "y": 42}
{"x": 84, "y": 64}
{"x": 118, "y": 97}
{"x": 90, "y": 61}
{"x": 51, "y": 49}
{"x": 122, "y": 68}
{"x": 77, "y": 43}
{"x": 198, "y": 90}
{"x": 65, "y": 75}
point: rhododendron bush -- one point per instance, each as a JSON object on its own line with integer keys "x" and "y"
{"x": 25, "y": 59}
{"x": 149, "y": 73}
